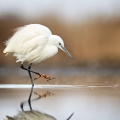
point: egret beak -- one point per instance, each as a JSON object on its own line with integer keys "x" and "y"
{"x": 66, "y": 51}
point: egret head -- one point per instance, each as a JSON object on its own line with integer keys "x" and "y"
{"x": 58, "y": 42}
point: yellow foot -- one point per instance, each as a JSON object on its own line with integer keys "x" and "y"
{"x": 45, "y": 77}
{"x": 48, "y": 93}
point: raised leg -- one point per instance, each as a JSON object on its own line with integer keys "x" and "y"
{"x": 28, "y": 69}
{"x": 45, "y": 77}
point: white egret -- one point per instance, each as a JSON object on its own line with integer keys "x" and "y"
{"x": 34, "y": 43}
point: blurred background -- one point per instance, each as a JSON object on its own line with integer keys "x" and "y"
{"x": 90, "y": 30}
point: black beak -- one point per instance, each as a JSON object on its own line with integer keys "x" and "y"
{"x": 66, "y": 51}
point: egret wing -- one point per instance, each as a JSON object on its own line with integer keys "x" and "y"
{"x": 25, "y": 34}
{"x": 27, "y": 47}
{"x": 38, "y": 55}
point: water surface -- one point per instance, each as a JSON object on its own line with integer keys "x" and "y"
{"x": 87, "y": 102}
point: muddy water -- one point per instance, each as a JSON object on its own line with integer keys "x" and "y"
{"x": 87, "y": 102}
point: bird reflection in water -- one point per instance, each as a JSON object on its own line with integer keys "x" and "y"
{"x": 34, "y": 114}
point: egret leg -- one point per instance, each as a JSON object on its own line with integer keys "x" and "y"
{"x": 22, "y": 66}
{"x": 40, "y": 75}
{"x": 29, "y": 99}
{"x": 46, "y": 77}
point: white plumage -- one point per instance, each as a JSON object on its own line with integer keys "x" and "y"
{"x": 34, "y": 43}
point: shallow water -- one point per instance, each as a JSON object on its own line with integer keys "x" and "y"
{"x": 91, "y": 93}
{"x": 88, "y": 102}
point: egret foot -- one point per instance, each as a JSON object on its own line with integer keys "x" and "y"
{"x": 45, "y": 77}
{"x": 48, "y": 93}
